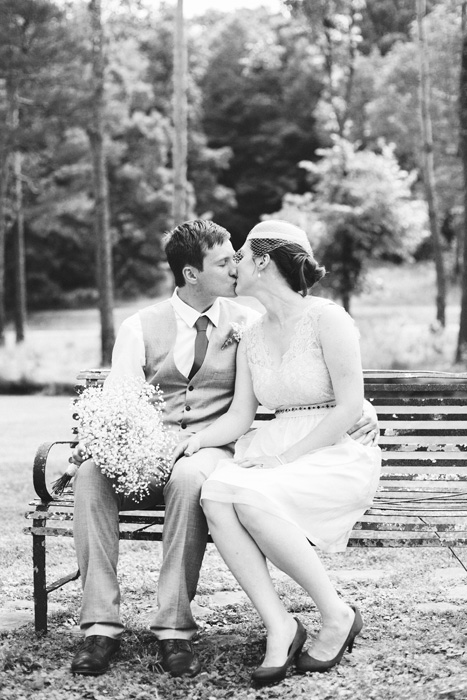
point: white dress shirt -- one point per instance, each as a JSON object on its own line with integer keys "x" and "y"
{"x": 129, "y": 357}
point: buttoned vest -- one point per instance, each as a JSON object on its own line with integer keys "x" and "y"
{"x": 191, "y": 405}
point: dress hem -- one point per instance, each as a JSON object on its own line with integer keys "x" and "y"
{"x": 241, "y": 498}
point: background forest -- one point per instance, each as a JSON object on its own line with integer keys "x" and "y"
{"x": 310, "y": 113}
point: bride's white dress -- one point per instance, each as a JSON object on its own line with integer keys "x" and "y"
{"x": 324, "y": 492}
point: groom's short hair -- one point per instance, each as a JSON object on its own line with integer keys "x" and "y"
{"x": 187, "y": 244}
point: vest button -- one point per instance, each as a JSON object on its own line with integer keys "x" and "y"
{"x": 190, "y": 388}
{"x": 183, "y": 426}
{"x": 187, "y": 408}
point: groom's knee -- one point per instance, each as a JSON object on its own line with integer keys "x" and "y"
{"x": 187, "y": 478}
{"x": 86, "y": 477}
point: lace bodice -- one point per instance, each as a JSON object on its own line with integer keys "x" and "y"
{"x": 302, "y": 377}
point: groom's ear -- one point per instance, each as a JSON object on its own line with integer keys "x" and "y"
{"x": 190, "y": 274}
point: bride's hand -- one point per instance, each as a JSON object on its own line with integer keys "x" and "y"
{"x": 261, "y": 462}
{"x": 186, "y": 448}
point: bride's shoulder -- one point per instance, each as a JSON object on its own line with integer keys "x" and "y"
{"x": 320, "y": 309}
{"x": 252, "y": 329}
{"x": 316, "y": 306}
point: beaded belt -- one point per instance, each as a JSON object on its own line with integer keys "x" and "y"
{"x": 294, "y": 409}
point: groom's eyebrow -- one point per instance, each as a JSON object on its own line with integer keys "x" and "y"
{"x": 224, "y": 258}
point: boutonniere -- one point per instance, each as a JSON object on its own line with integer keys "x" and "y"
{"x": 235, "y": 334}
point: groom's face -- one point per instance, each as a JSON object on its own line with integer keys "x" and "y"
{"x": 219, "y": 274}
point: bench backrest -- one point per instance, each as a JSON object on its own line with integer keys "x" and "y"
{"x": 423, "y": 422}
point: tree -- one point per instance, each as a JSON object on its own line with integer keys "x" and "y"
{"x": 428, "y": 165}
{"x": 461, "y": 352}
{"x": 336, "y": 29}
{"x": 32, "y": 34}
{"x": 361, "y": 209}
{"x": 180, "y": 140}
{"x": 25, "y": 48}
{"x": 102, "y": 214}
{"x": 260, "y": 94}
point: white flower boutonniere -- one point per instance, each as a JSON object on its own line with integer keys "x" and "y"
{"x": 235, "y": 334}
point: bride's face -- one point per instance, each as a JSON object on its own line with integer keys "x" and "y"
{"x": 247, "y": 271}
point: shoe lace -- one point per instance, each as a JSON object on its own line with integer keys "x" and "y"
{"x": 176, "y": 645}
{"x": 94, "y": 640}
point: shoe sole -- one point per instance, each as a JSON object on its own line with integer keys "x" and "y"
{"x": 90, "y": 673}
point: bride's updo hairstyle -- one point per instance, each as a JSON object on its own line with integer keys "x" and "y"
{"x": 288, "y": 246}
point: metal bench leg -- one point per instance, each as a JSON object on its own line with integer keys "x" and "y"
{"x": 40, "y": 589}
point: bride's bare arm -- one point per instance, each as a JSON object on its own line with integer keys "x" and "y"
{"x": 236, "y": 421}
{"x": 341, "y": 352}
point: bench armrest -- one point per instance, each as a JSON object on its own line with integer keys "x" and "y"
{"x": 40, "y": 463}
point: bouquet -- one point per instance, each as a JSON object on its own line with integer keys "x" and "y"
{"x": 123, "y": 432}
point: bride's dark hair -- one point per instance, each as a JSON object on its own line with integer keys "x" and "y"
{"x": 299, "y": 269}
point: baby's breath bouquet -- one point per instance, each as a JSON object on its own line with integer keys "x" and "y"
{"x": 122, "y": 429}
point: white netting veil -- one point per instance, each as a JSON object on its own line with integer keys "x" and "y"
{"x": 272, "y": 234}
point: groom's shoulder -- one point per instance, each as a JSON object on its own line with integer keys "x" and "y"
{"x": 157, "y": 311}
{"x": 160, "y": 308}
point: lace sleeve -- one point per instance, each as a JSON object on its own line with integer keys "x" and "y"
{"x": 250, "y": 339}
{"x": 317, "y": 312}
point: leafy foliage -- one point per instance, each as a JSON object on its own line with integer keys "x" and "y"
{"x": 260, "y": 90}
{"x": 266, "y": 91}
{"x": 361, "y": 209}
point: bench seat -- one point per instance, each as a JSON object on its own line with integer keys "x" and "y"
{"x": 421, "y": 500}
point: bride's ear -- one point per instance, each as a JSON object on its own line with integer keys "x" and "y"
{"x": 264, "y": 261}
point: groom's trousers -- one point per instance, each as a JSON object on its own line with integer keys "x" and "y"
{"x": 96, "y": 533}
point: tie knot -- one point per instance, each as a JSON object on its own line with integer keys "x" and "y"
{"x": 202, "y": 323}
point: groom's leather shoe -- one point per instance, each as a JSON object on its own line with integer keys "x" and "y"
{"x": 178, "y": 657}
{"x": 94, "y": 656}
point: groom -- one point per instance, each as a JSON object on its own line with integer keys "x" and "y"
{"x": 181, "y": 345}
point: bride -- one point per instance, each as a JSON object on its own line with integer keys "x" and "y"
{"x": 298, "y": 478}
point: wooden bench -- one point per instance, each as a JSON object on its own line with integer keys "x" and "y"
{"x": 422, "y": 499}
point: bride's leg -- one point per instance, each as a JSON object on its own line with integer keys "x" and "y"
{"x": 248, "y": 564}
{"x": 288, "y": 549}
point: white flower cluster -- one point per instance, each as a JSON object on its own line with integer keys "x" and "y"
{"x": 123, "y": 431}
{"x": 235, "y": 334}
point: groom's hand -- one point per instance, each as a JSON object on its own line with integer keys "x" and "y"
{"x": 186, "y": 448}
{"x": 79, "y": 454}
{"x": 366, "y": 429}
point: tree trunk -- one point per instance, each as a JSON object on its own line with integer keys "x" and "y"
{"x": 180, "y": 141}
{"x": 3, "y": 194}
{"x": 101, "y": 214}
{"x": 428, "y": 164}
{"x": 20, "y": 256}
{"x": 461, "y": 352}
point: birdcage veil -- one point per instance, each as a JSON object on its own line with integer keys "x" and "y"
{"x": 272, "y": 234}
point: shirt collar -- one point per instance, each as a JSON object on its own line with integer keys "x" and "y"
{"x": 190, "y": 315}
